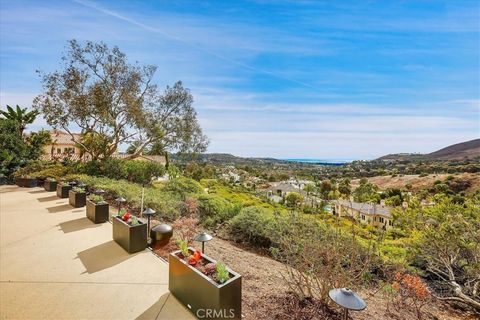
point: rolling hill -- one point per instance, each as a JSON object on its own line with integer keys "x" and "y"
{"x": 459, "y": 151}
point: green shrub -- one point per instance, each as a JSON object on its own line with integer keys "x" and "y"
{"x": 183, "y": 186}
{"x": 115, "y": 168}
{"x": 254, "y": 226}
{"x": 92, "y": 168}
{"x": 168, "y": 205}
{"x": 143, "y": 171}
{"x": 215, "y": 209}
{"x": 56, "y": 171}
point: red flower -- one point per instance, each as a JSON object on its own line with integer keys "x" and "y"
{"x": 197, "y": 255}
{"x": 192, "y": 261}
{"x": 126, "y": 216}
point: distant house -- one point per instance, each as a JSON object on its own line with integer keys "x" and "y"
{"x": 62, "y": 145}
{"x": 277, "y": 191}
{"x": 368, "y": 213}
{"x": 281, "y": 189}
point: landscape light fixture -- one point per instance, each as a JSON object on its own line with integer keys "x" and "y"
{"x": 203, "y": 237}
{"x": 148, "y": 213}
{"x": 99, "y": 192}
{"x": 347, "y": 299}
{"x": 120, "y": 200}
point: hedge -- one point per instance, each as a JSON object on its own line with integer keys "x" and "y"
{"x": 169, "y": 205}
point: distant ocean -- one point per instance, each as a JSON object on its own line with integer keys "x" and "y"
{"x": 319, "y": 161}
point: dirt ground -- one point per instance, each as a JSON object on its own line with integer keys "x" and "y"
{"x": 419, "y": 183}
{"x": 266, "y": 295}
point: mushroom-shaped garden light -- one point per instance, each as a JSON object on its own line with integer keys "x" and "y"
{"x": 149, "y": 212}
{"x": 203, "y": 237}
{"x": 347, "y": 299}
{"x": 120, "y": 200}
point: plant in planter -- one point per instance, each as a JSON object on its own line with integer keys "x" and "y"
{"x": 202, "y": 284}
{"x": 77, "y": 197}
{"x": 63, "y": 189}
{"x": 50, "y": 184}
{"x": 97, "y": 209}
{"x": 129, "y": 232}
{"x": 26, "y": 181}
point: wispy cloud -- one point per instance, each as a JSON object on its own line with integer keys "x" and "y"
{"x": 192, "y": 45}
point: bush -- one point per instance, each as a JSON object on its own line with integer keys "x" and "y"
{"x": 115, "y": 168}
{"x": 214, "y": 209}
{"x": 91, "y": 168}
{"x": 56, "y": 171}
{"x": 183, "y": 186}
{"x": 143, "y": 171}
{"x": 254, "y": 226}
{"x": 168, "y": 205}
{"x": 318, "y": 258}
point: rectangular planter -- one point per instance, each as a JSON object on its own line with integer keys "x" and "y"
{"x": 77, "y": 199}
{"x": 41, "y": 182}
{"x": 50, "y": 185}
{"x": 202, "y": 295}
{"x": 98, "y": 213}
{"x": 130, "y": 238}
{"x": 62, "y": 190}
{"x": 26, "y": 182}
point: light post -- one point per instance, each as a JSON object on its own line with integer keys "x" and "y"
{"x": 203, "y": 237}
{"x": 120, "y": 200}
{"x": 148, "y": 213}
{"x": 347, "y": 299}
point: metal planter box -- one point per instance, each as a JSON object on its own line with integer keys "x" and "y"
{"x": 98, "y": 213}
{"x": 41, "y": 182}
{"x": 26, "y": 182}
{"x": 203, "y": 296}
{"x": 77, "y": 199}
{"x": 49, "y": 185}
{"x": 130, "y": 238}
{"x": 62, "y": 190}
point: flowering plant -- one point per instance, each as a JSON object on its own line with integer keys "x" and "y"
{"x": 410, "y": 291}
{"x": 195, "y": 258}
{"x": 128, "y": 217}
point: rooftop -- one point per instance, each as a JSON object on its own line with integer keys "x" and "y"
{"x": 366, "y": 208}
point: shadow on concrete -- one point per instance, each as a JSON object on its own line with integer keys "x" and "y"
{"x": 103, "y": 256}
{"x": 79, "y": 210}
{"x": 77, "y": 225}
{"x": 154, "y": 310}
{"x": 45, "y": 199}
{"x": 38, "y": 191}
{"x": 9, "y": 188}
{"x": 63, "y": 207}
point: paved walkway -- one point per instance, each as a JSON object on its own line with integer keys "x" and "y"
{"x": 56, "y": 264}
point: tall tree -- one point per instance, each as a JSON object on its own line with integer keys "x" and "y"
{"x": 115, "y": 102}
{"x": 20, "y": 115}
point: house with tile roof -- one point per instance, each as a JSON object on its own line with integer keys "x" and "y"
{"x": 62, "y": 146}
{"x": 377, "y": 215}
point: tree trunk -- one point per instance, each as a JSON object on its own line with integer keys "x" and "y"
{"x": 167, "y": 161}
{"x": 459, "y": 293}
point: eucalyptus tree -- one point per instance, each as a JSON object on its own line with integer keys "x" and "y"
{"x": 113, "y": 102}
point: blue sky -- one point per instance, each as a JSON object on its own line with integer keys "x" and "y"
{"x": 287, "y": 79}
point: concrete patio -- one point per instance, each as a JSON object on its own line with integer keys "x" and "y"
{"x": 56, "y": 264}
